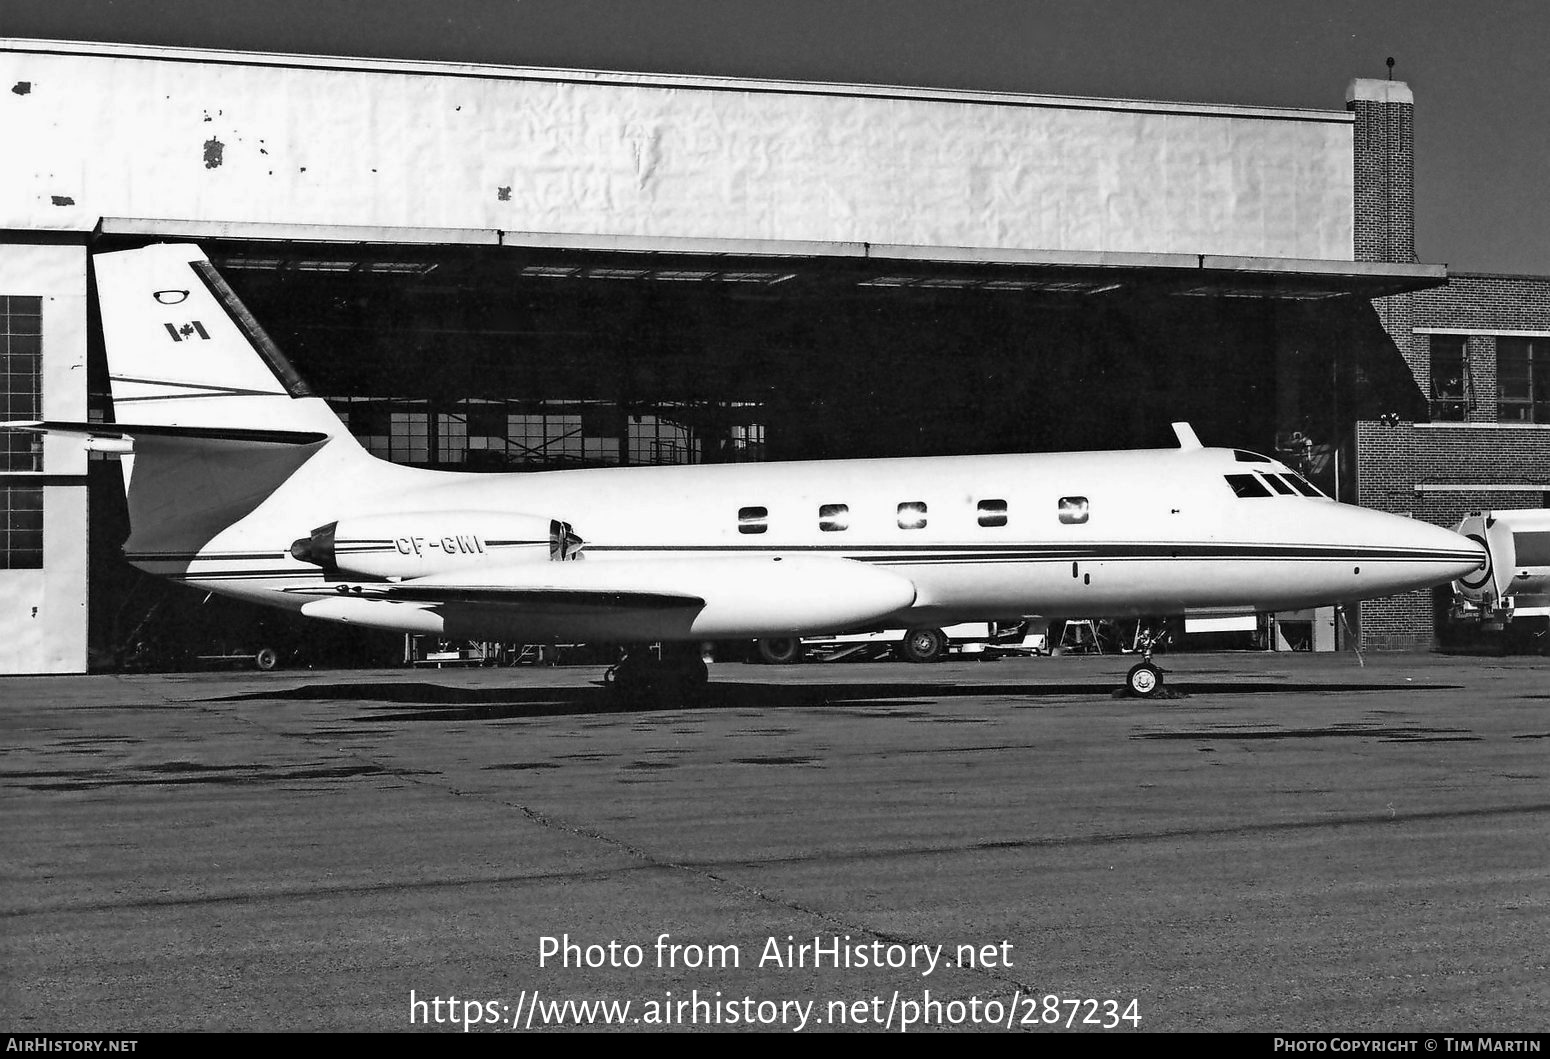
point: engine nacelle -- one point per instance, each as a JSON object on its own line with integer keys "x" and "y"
{"x": 1517, "y": 545}
{"x": 419, "y": 543}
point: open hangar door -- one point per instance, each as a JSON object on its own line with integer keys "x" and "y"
{"x": 831, "y": 359}
{"x": 513, "y": 359}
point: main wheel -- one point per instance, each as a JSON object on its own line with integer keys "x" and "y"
{"x": 1144, "y": 680}
{"x": 924, "y": 645}
{"x": 781, "y": 650}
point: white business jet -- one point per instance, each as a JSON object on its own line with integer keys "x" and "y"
{"x": 242, "y": 482}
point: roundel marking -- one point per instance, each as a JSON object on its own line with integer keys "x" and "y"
{"x": 171, "y": 297}
{"x": 1485, "y": 571}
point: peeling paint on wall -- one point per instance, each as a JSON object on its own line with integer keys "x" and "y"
{"x": 503, "y": 194}
{"x": 645, "y": 162}
{"x": 214, "y": 151}
{"x": 62, "y": 200}
{"x": 22, "y": 88}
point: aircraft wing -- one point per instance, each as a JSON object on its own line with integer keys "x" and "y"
{"x": 530, "y": 598}
{"x": 650, "y": 597}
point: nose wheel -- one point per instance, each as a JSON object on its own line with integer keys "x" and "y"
{"x": 1144, "y": 679}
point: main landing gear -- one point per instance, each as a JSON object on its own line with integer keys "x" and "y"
{"x": 1144, "y": 679}
{"x": 670, "y": 675}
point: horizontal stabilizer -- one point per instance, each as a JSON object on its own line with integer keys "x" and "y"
{"x": 251, "y": 435}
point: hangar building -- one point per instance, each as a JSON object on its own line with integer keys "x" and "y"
{"x": 506, "y": 268}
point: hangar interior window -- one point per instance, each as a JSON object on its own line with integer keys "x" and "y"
{"x": 1450, "y": 377}
{"x": 834, "y": 518}
{"x": 1247, "y": 485}
{"x": 21, "y": 390}
{"x": 992, "y": 512}
{"x": 502, "y": 434}
{"x": 912, "y": 514}
{"x": 1073, "y": 510}
{"x": 752, "y": 519}
{"x": 21, "y": 527}
{"x": 1523, "y": 380}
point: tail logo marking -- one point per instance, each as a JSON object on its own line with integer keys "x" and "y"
{"x": 188, "y": 330}
{"x": 171, "y": 297}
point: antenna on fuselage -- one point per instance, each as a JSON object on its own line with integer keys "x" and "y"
{"x": 1186, "y": 436}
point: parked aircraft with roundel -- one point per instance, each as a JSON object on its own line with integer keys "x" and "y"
{"x": 243, "y": 482}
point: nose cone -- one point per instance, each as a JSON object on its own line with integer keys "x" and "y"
{"x": 1413, "y": 554}
{"x": 1454, "y": 554}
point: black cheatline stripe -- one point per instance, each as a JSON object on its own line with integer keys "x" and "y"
{"x": 1035, "y": 552}
{"x": 202, "y": 579}
{"x": 207, "y": 389}
{"x": 1001, "y": 553}
{"x": 177, "y": 557}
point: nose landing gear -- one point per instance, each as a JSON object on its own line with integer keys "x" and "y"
{"x": 1145, "y": 679}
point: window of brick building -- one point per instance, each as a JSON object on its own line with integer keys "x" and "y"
{"x": 21, "y": 397}
{"x": 1523, "y": 380}
{"x": 21, "y": 391}
{"x": 21, "y": 527}
{"x": 1450, "y": 378}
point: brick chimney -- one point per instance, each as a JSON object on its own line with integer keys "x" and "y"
{"x": 1384, "y": 149}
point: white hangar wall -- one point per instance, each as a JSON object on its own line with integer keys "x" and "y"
{"x": 43, "y": 608}
{"x": 117, "y": 131}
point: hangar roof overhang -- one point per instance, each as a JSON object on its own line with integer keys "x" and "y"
{"x": 771, "y": 263}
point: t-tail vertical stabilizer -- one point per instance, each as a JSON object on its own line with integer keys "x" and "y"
{"x": 183, "y": 351}
{"x": 218, "y": 417}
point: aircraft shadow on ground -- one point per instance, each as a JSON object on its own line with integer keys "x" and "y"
{"x": 387, "y": 701}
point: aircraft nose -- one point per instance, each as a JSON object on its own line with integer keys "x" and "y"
{"x": 1442, "y": 552}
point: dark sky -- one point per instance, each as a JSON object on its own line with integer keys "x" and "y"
{"x": 1480, "y": 71}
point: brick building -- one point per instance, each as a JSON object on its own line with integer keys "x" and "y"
{"x": 1478, "y": 350}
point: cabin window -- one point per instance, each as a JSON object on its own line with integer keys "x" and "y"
{"x": 834, "y": 518}
{"x": 1278, "y": 485}
{"x": 992, "y": 512}
{"x": 1247, "y": 485}
{"x": 1073, "y": 510}
{"x": 912, "y": 514}
{"x": 752, "y": 519}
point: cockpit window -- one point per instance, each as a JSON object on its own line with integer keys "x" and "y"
{"x": 1247, "y": 485}
{"x": 1244, "y": 456}
{"x": 1301, "y": 485}
{"x": 1278, "y": 485}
